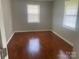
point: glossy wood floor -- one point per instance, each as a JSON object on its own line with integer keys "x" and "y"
{"x": 38, "y": 45}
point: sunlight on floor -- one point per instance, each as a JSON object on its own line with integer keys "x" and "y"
{"x": 34, "y": 45}
{"x": 63, "y": 55}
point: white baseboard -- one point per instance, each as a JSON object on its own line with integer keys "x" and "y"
{"x": 10, "y": 37}
{"x": 70, "y": 43}
{"x": 34, "y": 30}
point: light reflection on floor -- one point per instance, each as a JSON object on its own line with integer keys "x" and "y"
{"x": 33, "y": 46}
{"x": 63, "y": 55}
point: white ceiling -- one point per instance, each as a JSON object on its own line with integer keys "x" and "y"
{"x": 37, "y": 0}
{"x": 42, "y": 0}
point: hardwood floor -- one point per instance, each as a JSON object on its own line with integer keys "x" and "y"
{"x": 38, "y": 45}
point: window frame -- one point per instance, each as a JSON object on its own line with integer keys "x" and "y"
{"x": 38, "y": 14}
{"x": 73, "y": 14}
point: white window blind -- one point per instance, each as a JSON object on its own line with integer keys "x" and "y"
{"x": 70, "y": 16}
{"x": 33, "y": 12}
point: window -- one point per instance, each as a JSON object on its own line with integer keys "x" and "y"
{"x": 33, "y": 12}
{"x": 70, "y": 16}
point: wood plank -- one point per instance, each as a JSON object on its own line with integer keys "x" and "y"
{"x": 38, "y": 45}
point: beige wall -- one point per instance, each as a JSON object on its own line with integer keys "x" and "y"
{"x": 57, "y": 25}
{"x": 20, "y": 16}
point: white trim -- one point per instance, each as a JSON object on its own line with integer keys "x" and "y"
{"x": 70, "y": 43}
{"x": 34, "y": 30}
{"x": 10, "y": 37}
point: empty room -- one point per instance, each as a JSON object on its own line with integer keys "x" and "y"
{"x": 39, "y": 29}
